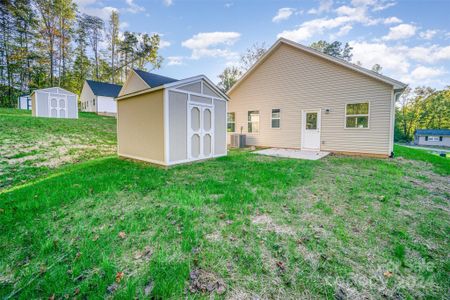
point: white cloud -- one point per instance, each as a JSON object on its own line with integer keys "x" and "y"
{"x": 431, "y": 54}
{"x": 402, "y": 31}
{"x": 383, "y": 5}
{"x": 175, "y": 60}
{"x": 283, "y": 14}
{"x": 168, "y": 2}
{"x": 324, "y": 6}
{"x": 228, "y": 4}
{"x": 123, "y": 25}
{"x": 379, "y": 53}
{"x": 133, "y": 7}
{"x": 211, "y": 44}
{"x": 85, "y": 7}
{"x": 344, "y": 30}
{"x": 421, "y": 73}
{"x": 164, "y": 44}
{"x": 207, "y": 39}
{"x": 392, "y": 20}
{"x": 404, "y": 63}
{"x": 428, "y": 34}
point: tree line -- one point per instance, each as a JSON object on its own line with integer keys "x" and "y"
{"x": 45, "y": 43}
{"x": 421, "y": 108}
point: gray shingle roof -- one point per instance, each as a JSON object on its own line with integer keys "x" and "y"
{"x": 432, "y": 132}
{"x": 154, "y": 80}
{"x": 104, "y": 89}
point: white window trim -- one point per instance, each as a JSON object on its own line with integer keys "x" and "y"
{"x": 234, "y": 122}
{"x": 433, "y": 138}
{"x": 272, "y": 118}
{"x": 259, "y": 114}
{"x": 359, "y": 115}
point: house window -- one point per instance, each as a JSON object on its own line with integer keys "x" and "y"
{"x": 253, "y": 121}
{"x": 433, "y": 138}
{"x": 357, "y": 115}
{"x": 275, "y": 118}
{"x": 93, "y": 102}
{"x": 231, "y": 125}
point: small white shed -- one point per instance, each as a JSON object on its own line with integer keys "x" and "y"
{"x": 167, "y": 121}
{"x": 54, "y": 103}
{"x": 24, "y": 102}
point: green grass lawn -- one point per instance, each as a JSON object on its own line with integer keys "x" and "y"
{"x": 30, "y": 147}
{"x": 242, "y": 226}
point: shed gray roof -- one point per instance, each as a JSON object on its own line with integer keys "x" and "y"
{"x": 104, "y": 89}
{"x": 154, "y": 80}
{"x": 432, "y": 132}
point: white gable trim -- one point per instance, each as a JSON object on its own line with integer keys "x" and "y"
{"x": 52, "y": 90}
{"x": 397, "y": 85}
{"x": 175, "y": 84}
{"x": 194, "y": 79}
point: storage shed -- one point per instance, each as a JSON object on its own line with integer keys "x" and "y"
{"x": 54, "y": 103}
{"x": 167, "y": 121}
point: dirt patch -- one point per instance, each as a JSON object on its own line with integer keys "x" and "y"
{"x": 202, "y": 281}
{"x": 268, "y": 223}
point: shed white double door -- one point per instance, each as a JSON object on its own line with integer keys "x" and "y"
{"x": 200, "y": 137}
{"x": 57, "y": 105}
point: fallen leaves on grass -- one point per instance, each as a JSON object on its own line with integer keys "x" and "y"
{"x": 205, "y": 282}
{"x": 388, "y": 274}
{"x": 281, "y": 266}
{"x": 144, "y": 254}
{"x": 119, "y": 276}
{"x": 122, "y": 235}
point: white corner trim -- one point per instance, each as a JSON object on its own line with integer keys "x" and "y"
{"x": 166, "y": 126}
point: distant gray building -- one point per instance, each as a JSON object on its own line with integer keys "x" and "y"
{"x": 432, "y": 137}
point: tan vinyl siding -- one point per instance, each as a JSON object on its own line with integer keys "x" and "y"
{"x": 133, "y": 84}
{"x": 291, "y": 80}
{"x": 140, "y": 127}
{"x": 33, "y": 104}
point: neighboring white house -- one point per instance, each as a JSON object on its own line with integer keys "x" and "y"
{"x": 99, "y": 97}
{"x": 54, "y": 103}
{"x": 24, "y": 102}
{"x": 432, "y": 137}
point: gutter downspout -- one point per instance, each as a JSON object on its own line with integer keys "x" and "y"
{"x": 396, "y": 95}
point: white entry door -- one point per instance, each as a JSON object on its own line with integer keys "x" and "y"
{"x": 200, "y": 138}
{"x": 57, "y": 106}
{"x": 311, "y": 129}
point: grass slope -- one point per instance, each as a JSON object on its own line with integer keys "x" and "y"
{"x": 30, "y": 147}
{"x": 440, "y": 164}
{"x": 260, "y": 226}
{"x": 253, "y": 226}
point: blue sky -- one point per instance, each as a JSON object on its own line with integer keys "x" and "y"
{"x": 410, "y": 39}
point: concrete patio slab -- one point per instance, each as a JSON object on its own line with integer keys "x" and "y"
{"x": 293, "y": 153}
